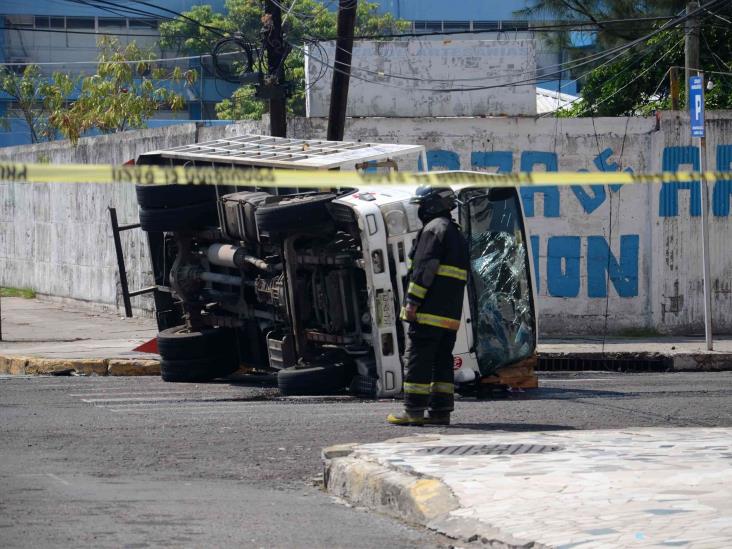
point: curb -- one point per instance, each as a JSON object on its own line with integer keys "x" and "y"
{"x": 29, "y": 365}
{"x": 410, "y": 497}
{"x": 711, "y": 361}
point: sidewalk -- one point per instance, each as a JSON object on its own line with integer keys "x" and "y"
{"x": 635, "y": 487}
{"x": 39, "y": 329}
{"x": 41, "y": 337}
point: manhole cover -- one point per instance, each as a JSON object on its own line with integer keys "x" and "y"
{"x": 489, "y": 449}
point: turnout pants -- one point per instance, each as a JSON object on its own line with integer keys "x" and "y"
{"x": 429, "y": 382}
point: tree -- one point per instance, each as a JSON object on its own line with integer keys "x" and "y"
{"x": 34, "y": 99}
{"x": 302, "y": 20}
{"x": 637, "y": 82}
{"x": 126, "y": 91}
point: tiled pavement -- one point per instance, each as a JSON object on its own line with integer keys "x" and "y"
{"x": 614, "y": 488}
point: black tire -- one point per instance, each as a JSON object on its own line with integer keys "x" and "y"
{"x": 293, "y": 212}
{"x": 313, "y": 380}
{"x": 178, "y": 344}
{"x": 173, "y": 196}
{"x": 363, "y": 386}
{"x": 198, "y": 369}
{"x": 184, "y": 218}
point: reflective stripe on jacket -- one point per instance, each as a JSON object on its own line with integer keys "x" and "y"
{"x": 437, "y": 274}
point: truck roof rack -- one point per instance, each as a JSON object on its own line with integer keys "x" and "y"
{"x": 280, "y": 152}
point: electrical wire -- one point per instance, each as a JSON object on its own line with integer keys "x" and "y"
{"x": 616, "y": 92}
{"x": 91, "y": 33}
{"x": 531, "y": 81}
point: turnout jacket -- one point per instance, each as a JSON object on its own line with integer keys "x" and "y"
{"x": 438, "y": 272}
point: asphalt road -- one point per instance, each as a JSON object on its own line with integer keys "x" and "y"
{"x": 135, "y": 462}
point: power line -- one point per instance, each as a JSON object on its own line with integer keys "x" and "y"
{"x": 530, "y": 81}
{"x": 569, "y": 26}
{"x": 90, "y": 33}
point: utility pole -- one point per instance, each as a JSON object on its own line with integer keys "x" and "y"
{"x": 691, "y": 45}
{"x": 342, "y": 69}
{"x": 675, "y": 88}
{"x": 275, "y": 47}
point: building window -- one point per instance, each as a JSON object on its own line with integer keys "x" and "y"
{"x": 80, "y": 23}
{"x": 112, "y": 22}
{"x": 144, "y": 24}
{"x": 515, "y": 25}
{"x": 427, "y": 26}
{"x": 486, "y": 25}
{"x": 20, "y": 21}
{"x": 456, "y": 26}
{"x": 57, "y": 23}
{"x": 41, "y": 22}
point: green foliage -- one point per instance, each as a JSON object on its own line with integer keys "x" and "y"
{"x": 25, "y": 293}
{"x": 242, "y": 106}
{"x": 34, "y": 99}
{"x": 125, "y": 91}
{"x": 307, "y": 19}
{"x": 186, "y": 37}
{"x": 638, "y": 81}
{"x": 637, "y": 84}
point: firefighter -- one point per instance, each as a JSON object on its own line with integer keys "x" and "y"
{"x": 438, "y": 272}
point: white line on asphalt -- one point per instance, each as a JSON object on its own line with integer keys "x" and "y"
{"x": 148, "y": 399}
{"x": 573, "y": 380}
{"x": 154, "y": 394}
{"x": 57, "y": 478}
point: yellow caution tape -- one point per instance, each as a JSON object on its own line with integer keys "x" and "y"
{"x": 190, "y": 175}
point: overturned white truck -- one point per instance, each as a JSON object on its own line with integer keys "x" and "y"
{"x": 310, "y": 283}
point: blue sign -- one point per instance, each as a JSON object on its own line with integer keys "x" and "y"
{"x": 696, "y": 105}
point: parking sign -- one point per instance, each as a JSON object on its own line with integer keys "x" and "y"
{"x": 696, "y": 105}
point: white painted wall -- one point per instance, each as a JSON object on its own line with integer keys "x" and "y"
{"x": 427, "y": 64}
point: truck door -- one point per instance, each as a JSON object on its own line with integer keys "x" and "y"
{"x": 500, "y": 289}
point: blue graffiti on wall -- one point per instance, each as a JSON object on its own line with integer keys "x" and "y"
{"x": 676, "y": 157}
{"x": 564, "y": 253}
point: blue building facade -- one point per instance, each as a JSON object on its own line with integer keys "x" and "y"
{"x": 61, "y": 35}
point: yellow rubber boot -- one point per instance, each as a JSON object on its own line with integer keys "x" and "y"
{"x": 406, "y": 418}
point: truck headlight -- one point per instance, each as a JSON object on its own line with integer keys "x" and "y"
{"x": 396, "y": 219}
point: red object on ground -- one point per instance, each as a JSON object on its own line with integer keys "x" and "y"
{"x": 148, "y": 347}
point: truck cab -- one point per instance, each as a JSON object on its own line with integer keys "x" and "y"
{"x": 309, "y": 283}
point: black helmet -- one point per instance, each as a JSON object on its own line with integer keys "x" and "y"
{"x": 434, "y": 201}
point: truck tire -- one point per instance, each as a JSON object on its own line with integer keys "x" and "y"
{"x": 198, "y": 369}
{"x": 313, "y": 380}
{"x": 153, "y": 197}
{"x": 363, "y": 386}
{"x": 178, "y": 344}
{"x": 183, "y": 218}
{"x": 288, "y": 213}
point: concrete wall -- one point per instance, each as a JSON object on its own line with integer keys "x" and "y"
{"x": 57, "y": 239}
{"x": 626, "y": 258}
{"x": 426, "y": 65}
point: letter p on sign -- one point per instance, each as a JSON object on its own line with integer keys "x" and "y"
{"x": 696, "y": 104}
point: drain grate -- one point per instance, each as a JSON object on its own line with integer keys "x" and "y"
{"x": 550, "y": 363}
{"x": 489, "y": 450}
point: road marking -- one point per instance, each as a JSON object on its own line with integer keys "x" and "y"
{"x": 154, "y": 394}
{"x": 148, "y": 399}
{"x": 59, "y": 479}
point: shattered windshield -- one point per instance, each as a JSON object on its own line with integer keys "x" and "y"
{"x": 503, "y": 312}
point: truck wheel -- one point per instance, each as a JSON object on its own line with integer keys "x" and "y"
{"x": 293, "y": 212}
{"x": 183, "y": 218}
{"x": 363, "y": 386}
{"x": 173, "y": 196}
{"x": 313, "y": 380}
{"x": 178, "y": 344}
{"x": 198, "y": 369}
